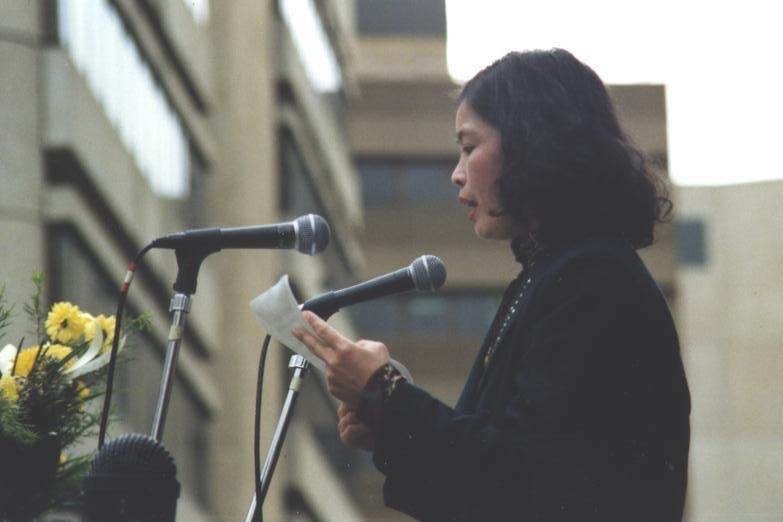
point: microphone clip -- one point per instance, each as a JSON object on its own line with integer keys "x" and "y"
{"x": 189, "y": 259}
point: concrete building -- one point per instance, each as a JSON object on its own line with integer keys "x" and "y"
{"x": 125, "y": 120}
{"x": 729, "y": 307}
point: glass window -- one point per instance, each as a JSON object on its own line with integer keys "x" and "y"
{"x": 199, "y": 9}
{"x": 691, "y": 242}
{"x": 474, "y": 313}
{"x": 123, "y": 83}
{"x": 407, "y": 181}
{"x": 402, "y": 17}
{"x": 467, "y": 313}
{"x": 426, "y": 313}
{"x": 378, "y": 317}
{"x": 312, "y": 43}
{"x": 378, "y": 183}
{"x": 298, "y": 196}
{"x": 426, "y": 182}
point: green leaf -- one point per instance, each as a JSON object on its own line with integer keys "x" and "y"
{"x": 11, "y": 426}
{"x": 33, "y": 307}
{"x": 5, "y": 313}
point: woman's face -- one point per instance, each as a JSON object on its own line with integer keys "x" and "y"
{"x": 477, "y": 174}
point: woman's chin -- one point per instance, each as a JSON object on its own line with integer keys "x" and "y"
{"x": 495, "y": 231}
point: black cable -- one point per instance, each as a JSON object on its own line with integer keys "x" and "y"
{"x": 116, "y": 342}
{"x": 259, "y": 515}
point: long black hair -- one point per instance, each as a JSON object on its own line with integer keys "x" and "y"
{"x": 567, "y": 164}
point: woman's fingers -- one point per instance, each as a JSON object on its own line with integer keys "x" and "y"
{"x": 347, "y": 420}
{"x": 314, "y": 344}
{"x": 357, "y": 436}
{"x": 353, "y": 432}
{"x": 342, "y": 409}
{"x": 323, "y": 330}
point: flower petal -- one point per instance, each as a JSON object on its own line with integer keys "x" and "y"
{"x": 7, "y": 356}
{"x": 89, "y": 355}
{"x": 99, "y": 362}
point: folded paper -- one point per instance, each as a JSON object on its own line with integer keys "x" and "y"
{"x": 278, "y": 313}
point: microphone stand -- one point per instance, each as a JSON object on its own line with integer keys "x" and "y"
{"x": 188, "y": 263}
{"x": 180, "y": 307}
{"x": 300, "y": 366}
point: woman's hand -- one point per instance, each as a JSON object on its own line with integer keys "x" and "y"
{"x": 349, "y": 365}
{"x": 353, "y": 432}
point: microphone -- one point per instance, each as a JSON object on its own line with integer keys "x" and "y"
{"x": 132, "y": 478}
{"x": 425, "y": 273}
{"x": 308, "y": 234}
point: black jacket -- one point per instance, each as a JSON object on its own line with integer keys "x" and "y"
{"x": 582, "y": 414}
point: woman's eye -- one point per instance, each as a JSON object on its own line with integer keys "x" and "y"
{"x": 467, "y": 149}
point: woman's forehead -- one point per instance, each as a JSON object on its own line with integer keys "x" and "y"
{"x": 468, "y": 122}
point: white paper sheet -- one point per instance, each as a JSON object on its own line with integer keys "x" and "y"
{"x": 278, "y": 313}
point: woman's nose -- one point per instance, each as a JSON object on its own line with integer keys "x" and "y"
{"x": 458, "y": 175}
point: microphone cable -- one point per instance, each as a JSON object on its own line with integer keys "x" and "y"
{"x": 259, "y": 515}
{"x": 116, "y": 341}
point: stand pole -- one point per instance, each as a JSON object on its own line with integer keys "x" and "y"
{"x": 299, "y": 364}
{"x": 180, "y": 306}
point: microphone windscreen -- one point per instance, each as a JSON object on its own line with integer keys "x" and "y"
{"x": 132, "y": 478}
{"x": 429, "y": 273}
{"x": 313, "y": 234}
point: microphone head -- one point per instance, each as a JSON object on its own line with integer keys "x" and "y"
{"x": 312, "y": 234}
{"x": 428, "y": 273}
{"x": 132, "y": 477}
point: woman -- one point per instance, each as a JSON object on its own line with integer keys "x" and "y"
{"x": 577, "y": 405}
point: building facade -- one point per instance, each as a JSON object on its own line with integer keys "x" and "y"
{"x": 127, "y": 120}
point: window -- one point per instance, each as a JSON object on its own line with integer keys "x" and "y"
{"x": 311, "y": 42}
{"x": 465, "y": 313}
{"x": 411, "y": 181}
{"x": 691, "y": 242}
{"x": 199, "y": 9}
{"x": 425, "y": 18}
{"x": 298, "y": 196}
{"x": 123, "y": 83}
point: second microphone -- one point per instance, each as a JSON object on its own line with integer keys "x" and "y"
{"x": 426, "y": 273}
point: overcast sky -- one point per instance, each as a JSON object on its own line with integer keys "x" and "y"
{"x": 720, "y": 62}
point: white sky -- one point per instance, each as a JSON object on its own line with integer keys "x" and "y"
{"x": 720, "y": 61}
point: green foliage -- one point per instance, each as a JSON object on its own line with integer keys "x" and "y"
{"x": 11, "y": 428}
{"x": 33, "y": 308}
{"x": 5, "y": 313}
{"x": 51, "y": 403}
{"x": 139, "y": 324}
{"x": 48, "y": 415}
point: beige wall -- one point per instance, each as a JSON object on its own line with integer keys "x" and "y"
{"x": 243, "y": 189}
{"x": 730, "y": 329}
{"x": 21, "y": 173}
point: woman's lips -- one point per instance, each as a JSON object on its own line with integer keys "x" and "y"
{"x": 472, "y": 207}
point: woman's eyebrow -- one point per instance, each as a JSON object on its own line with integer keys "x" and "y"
{"x": 461, "y": 133}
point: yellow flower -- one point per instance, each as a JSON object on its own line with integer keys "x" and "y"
{"x": 8, "y": 387}
{"x": 26, "y": 357}
{"x": 82, "y": 390}
{"x": 59, "y": 352}
{"x": 106, "y": 324}
{"x": 65, "y": 322}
